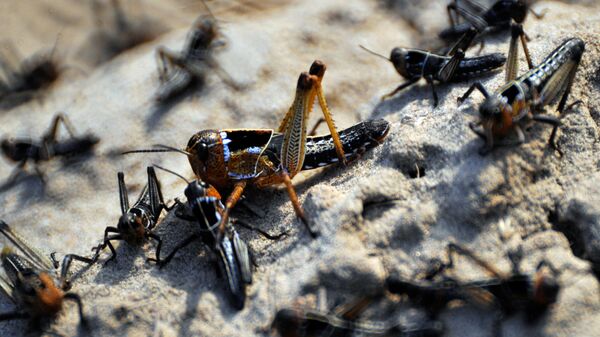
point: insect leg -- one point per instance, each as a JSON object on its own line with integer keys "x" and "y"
{"x": 454, "y": 248}
{"x": 234, "y": 197}
{"x": 158, "y": 245}
{"x": 66, "y": 264}
{"x": 464, "y": 42}
{"x": 451, "y": 8}
{"x": 563, "y": 100}
{"x": 156, "y": 197}
{"x": 9, "y": 316}
{"x": 470, "y": 16}
{"x": 224, "y": 76}
{"x": 165, "y": 61}
{"x": 473, "y": 127}
{"x": 123, "y": 198}
{"x": 476, "y": 85}
{"x": 294, "y": 199}
{"x": 260, "y": 231}
{"x": 12, "y": 178}
{"x": 429, "y": 80}
{"x": 399, "y": 88}
{"x": 75, "y": 298}
{"x": 243, "y": 257}
{"x": 318, "y": 69}
{"x": 537, "y": 15}
{"x": 555, "y": 122}
{"x": 107, "y": 242}
{"x": 293, "y": 125}
{"x": 313, "y": 131}
{"x": 179, "y": 246}
{"x": 51, "y": 135}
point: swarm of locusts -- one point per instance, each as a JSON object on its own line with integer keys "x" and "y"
{"x": 229, "y": 160}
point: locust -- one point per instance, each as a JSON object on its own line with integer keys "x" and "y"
{"x": 416, "y": 64}
{"x": 30, "y": 281}
{"x": 136, "y": 222}
{"x": 204, "y": 207}
{"x": 521, "y": 100}
{"x": 236, "y": 158}
{"x": 24, "y": 150}
{"x": 496, "y": 18}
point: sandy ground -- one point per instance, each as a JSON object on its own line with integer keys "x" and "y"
{"x": 516, "y": 197}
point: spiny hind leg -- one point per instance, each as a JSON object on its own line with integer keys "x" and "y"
{"x": 51, "y": 134}
{"x": 318, "y": 69}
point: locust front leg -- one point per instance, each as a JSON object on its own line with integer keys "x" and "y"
{"x": 234, "y": 197}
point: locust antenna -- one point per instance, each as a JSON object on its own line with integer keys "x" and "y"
{"x": 172, "y": 172}
{"x": 162, "y": 148}
{"x": 374, "y": 53}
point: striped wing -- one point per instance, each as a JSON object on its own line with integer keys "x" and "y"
{"x": 558, "y": 82}
{"x": 33, "y": 255}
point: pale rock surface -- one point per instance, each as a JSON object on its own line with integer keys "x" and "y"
{"x": 391, "y": 211}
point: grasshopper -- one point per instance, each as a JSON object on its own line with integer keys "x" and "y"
{"x": 29, "y": 282}
{"x": 415, "y": 64}
{"x": 236, "y": 158}
{"x": 520, "y": 100}
{"x": 234, "y": 258}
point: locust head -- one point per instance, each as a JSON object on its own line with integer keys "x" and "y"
{"x": 131, "y": 226}
{"x": 398, "y": 59}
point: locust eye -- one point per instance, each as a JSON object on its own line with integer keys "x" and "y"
{"x": 201, "y": 150}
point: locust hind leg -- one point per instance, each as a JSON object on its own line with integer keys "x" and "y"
{"x": 563, "y": 100}
{"x": 512, "y": 64}
{"x": 454, "y": 248}
{"x": 51, "y": 135}
{"x": 318, "y": 69}
{"x": 123, "y": 198}
{"x": 476, "y": 85}
{"x": 166, "y": 60}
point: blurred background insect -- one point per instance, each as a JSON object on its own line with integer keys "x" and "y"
{"x": 24, "y": 150}
{"x": 29, "y": 282}
{"x": 519, "y": 102}
{"x": 23, "y": 79}
{"x": 117, "y": 28}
